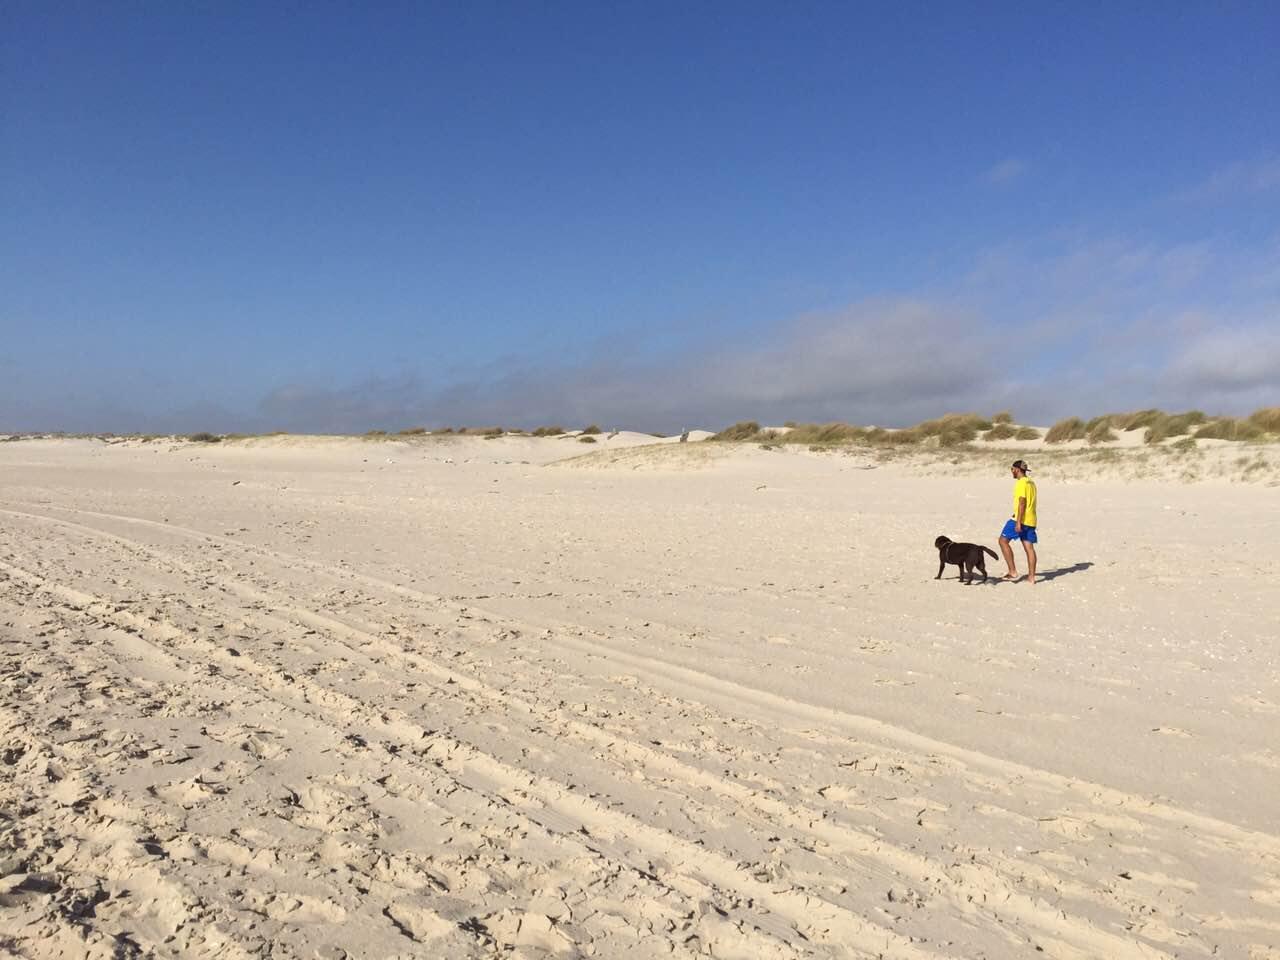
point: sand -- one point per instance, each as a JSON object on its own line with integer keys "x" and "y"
{"x": 467, "y": 698}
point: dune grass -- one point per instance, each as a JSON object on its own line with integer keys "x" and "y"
{"x": 592, "y": 429}
{"x": 1172, "y": 425}
{"x": 1071, "y": 428}
{"x": 1098, "y": 430}
{"x": 1136, "y": 420}
{"x": 552, "y": 431}
{"x": 1230, "y": 428}
{"x": 953, "y": 429}
{"x": 826, "y": 433}
{"x": 203, "y": 437}
{"x": 1267, "y": 419}
{"x": 741, "y": 431}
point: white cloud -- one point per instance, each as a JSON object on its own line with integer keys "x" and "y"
{"x": 1242, "y": 178}
{"x": 888, "y": 362}
{"x": 1231, "y": 360}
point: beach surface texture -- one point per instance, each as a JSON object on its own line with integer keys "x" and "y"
{"x": 460, "y": 697}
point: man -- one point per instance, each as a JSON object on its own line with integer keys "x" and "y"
{"x": 1023, "y": 525}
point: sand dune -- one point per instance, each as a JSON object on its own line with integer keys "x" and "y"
{"x": 459, "y": 697}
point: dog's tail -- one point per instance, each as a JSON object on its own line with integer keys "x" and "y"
{"x": 986, "y": 549}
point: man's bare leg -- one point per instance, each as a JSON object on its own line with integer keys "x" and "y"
{"x": 1008, "y": 559}
{"x": 1031, "y": 560}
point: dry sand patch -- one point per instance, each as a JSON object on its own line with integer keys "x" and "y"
{"x": 379, "y": 700}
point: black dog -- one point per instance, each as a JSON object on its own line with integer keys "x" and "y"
{"x": 967, "y": 556}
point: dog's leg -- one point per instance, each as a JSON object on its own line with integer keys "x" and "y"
{"x": 942, "y": 565}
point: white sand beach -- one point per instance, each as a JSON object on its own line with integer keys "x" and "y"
{"x": 453, "y": 697}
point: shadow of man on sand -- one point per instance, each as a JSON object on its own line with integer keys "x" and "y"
{"x": 1062, "y": 571}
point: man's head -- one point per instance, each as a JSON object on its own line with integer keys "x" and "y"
{"x": 1020, "y": 468}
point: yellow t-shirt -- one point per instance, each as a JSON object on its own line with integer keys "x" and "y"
{"x": 1025, "y": 487}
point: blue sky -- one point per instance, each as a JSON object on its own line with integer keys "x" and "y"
{"x": 324, "y": 217}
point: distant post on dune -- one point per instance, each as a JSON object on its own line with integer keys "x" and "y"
{"x": 684, "y": 435}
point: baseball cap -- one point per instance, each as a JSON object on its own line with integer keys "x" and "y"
{"x": 1021, "y": 465}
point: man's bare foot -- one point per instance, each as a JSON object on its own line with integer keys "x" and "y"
{"x": 1010, "y": 577}
{"x": 1031, "y": 579}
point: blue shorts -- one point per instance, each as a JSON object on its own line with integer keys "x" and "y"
{"x": 1028, "y": 533}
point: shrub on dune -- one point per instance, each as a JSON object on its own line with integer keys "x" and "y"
{"x": 1229, "y": 428}
{"x": 1098, "y": 430}
{"x": 894, "y": 438}
{"x": 1172, "y": 425}
{"x": 593, "y": 429}
{"x": 1268, "y": 419}
{"x": 1002, "y": 430}
{"x": 813, "y": 433}
{"x": 1004, "y": 416}
{"x": 1072, "y": 428}
{"x": 1135, "y": 420}
{"x": 740, "y": 431}
{"x": 954, "y": 428}
{"x": 548, "y": 431}
{"x": 203, "y": 437}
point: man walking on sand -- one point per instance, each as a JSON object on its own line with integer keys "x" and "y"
{"x": 1023, "y": 525}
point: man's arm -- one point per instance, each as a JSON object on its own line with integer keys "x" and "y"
{"x": 1022, "y": 512}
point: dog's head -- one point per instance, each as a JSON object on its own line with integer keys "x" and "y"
{"x": 941, "y": 542}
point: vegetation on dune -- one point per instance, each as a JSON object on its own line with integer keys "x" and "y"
{"x": 1172, "y": 425}
{"x": 1098, "y": 430}
{"x": 1135, "y": 420}
{"x": 950, "y": 430}
{"x": 741, "y": 431}
{"x": 953, "y": 428}
{"x": 1230, "y": 428}
{"x": 1267, "y": 418}
{"x": 1072, "y": 428}
{"x": 818, "y": 433}
{"x": 1175, "y": 431}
